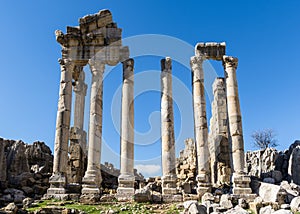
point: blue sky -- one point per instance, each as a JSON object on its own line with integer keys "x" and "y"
{"x": 262, "y": 34}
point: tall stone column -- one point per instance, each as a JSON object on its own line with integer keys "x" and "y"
{"x": 126, "y": 179}
{"x": 80, "y": 92}
{"x": 77, "y": 148}
{"x": 92, "y": 178}
{"x": 239, "y": 179}
{"x": 200, "y": 125}
{"x": 58, "y": 180}
{"x": 167, "y": 132}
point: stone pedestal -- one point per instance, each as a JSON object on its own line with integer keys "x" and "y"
{"x": 125, "y": 191}
{"x": 92, "y": 178}
{"x": 241, "y": 184}
{"x": 169, "y": 177}
{"x": 200, "y": 121}
{"x": 58, "y": 180}
{"x": 126, "y": 179}
{"x": 239, "y": 179}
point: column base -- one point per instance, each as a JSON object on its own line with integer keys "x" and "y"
{"x": 57, "y": 188}
{"x": 91, "y": 182}
{"x": 125, "y": 191}
{"x": 204, "y": 185}
{"x": 241, "y": 184}
{"x": 125, "y": 194}
{"x": 126, "y": 181}
{"x": 169, "y": 185}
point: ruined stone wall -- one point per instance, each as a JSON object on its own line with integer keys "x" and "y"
{"x": 218, "y": 136}
{"x": 186, "y": 167}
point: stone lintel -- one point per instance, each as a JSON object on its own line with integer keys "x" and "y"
{"x": 211, "y": 50}
{"x": 124, "y": 53}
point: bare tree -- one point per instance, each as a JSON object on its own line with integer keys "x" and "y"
{"x": 264, "y": 138}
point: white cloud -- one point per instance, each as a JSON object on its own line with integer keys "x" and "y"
{"x": 149, "y": 170}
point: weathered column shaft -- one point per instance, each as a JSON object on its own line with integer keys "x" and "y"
{"x": 77, "y": 147}
{"x": 200, "y": 124}
{"x": 58, "y": 179}
{"x": 63, "y": 117}
{"x": 169, "y": 177}
{"x": 234, "y": 114}
{"x": 92, "y": 179}
{"x": 126, "y": 179}
{"x": 167, "y": 119}
{"x": 239, "y": 179}
{"x": 80, "y": 93}
{"x": 218, "y": 136}
{"x": 127, "y": 119}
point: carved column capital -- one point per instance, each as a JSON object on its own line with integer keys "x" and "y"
{"x": 196, "y": 61}
{"x": 66, "y": 64}
{"x": 128, "y": 68}
{"x": 96, "y": 65}
{"x": 230, "y": 61}
{"x": 128, "y": 64}
{"x": 166, "y": 64}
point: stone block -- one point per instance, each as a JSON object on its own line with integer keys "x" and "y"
{"x": 90, "y": 198}
{"x": 168, "y": 198}
{"x": 156, "y": 197}
{"x": 142, "y": 196}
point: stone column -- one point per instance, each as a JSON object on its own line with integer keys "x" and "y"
{"x": 167, "y": 132}
{"x": 239, "y": 179}
{"x": 77, "y": 148}
{"x": 80, "y": 92}
{"x": 126, "y": 179}
{"x": 58, "y": 179}
{"x": 200, "y": 125}
{"x": 92, "y": 178}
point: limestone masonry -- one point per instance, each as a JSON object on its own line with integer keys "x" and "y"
{"x": 212, "y": 168}
{"x": 97, "y": 42}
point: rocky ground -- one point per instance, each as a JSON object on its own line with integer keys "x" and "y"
{"x": 25, "y": 171}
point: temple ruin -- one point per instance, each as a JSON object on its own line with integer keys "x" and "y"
{"x": 97, "y": 42}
